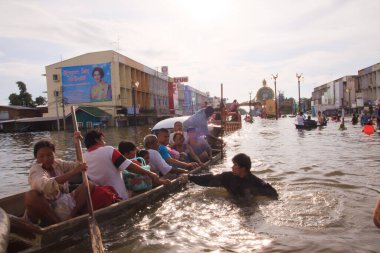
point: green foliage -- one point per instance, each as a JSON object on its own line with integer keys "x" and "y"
{"x": 24, "y": 98}
{"x": 40, "y": 100}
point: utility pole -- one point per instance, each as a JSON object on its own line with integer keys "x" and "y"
{"x": 63, "y": 112}
{"x": 56, "y": 93}
{"x": 299, "y": 93}
{"x": 250, "y": 103}
{"x": 275, "y": 94}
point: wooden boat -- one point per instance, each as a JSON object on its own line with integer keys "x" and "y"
{"x": 4, "y": 230}
{"x": 27, "y": 237}
{"x": 306, "y": 127}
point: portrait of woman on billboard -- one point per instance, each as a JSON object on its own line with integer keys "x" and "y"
{"x": 100, "y": 91}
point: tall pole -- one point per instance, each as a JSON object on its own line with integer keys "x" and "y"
{"x": 134, "y": 104}
{"x": 250, "y": 103}
{"x": 56, "y": 107}
{"x": 299, "y": 92}
{"x": 63, "y": 113}
{"x": 275, "y": 94}
{"x": 349, "y": 101}
{"x": 134, "y": 87}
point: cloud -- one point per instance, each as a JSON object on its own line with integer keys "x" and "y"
{"x": 238, "y": 43}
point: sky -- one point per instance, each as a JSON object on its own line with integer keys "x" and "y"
{"x": 235, "y": 42}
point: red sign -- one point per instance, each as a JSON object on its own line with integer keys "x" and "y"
{"x": 183, "y": 79}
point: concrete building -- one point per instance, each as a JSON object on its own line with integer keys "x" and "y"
{"x": 72, "y": 81}
{"x": 353, "y": 92}
{"x": 333, "y": 95}
{"x": 369, "y": 85}
{"x": 117, "y": 85}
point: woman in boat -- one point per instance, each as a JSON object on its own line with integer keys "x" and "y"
{"x": 199, "y": 145}
{"x": 178, "y": 127}
{"x": 239, "y": 182}
{"x": 49, "y": 201}
{"x": 185, "y": 150}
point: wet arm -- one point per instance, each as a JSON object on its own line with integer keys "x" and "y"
{"x": 177, "y": 162}
{"x": 207, "y": 180}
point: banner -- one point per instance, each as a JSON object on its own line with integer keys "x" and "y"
{"x": 87, "y": 83}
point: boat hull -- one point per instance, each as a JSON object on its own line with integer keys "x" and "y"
{"x": 28, "y": 237}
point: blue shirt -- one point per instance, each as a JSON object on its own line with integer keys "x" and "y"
{"x": 164, "y": 152}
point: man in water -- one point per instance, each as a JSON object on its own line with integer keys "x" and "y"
{"x": 239, "y": 182}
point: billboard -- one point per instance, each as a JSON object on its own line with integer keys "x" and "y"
{"x": 87, "y": 83}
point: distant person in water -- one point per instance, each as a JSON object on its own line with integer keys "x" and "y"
{"x": 376, "y": 214}
{"x": 355, "y": 119}
{"x": 239, "y": 182}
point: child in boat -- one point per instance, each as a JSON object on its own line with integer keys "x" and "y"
{"x": 134, "y": 182}
{"x": 49, "y": 200}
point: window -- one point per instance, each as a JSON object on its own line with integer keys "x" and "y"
{"x": 89, "y": 124}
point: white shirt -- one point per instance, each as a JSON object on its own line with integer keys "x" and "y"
{"x": 104, "y": 167}
{"x": 158, "y": 163}
{"x": 300, "y": 120}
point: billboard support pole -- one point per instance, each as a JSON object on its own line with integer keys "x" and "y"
{"x": 56, "y": 107}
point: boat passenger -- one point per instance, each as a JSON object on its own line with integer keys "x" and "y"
{"x": 185, "y": 150}
{"x": 309, "y": 122}
{"x": 156, "y": 161}
{"x": 200, "y": 122}
{"x": 49, "y": 201}
{"x": 239, "y": 182}
{"x": 134, "y": 182}
{"x": 163, "y": 140}
{"x": 178, "y": 127}
{"x": 105, "y": 164}
{"x": 143, "y": 153}
{"x": 376, "y": 214}
{"x": 199, "y": 145}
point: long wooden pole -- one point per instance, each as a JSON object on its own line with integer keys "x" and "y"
{"x": 222, "y": 116}
{"x": 93, "y": 227}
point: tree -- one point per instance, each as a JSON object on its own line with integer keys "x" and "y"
{"x": 22, "y": 99}
{"x": 40, "y": 100}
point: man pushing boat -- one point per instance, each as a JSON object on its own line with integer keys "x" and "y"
{"x": 239, "y": 182}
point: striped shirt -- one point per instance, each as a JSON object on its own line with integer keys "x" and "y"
{"x": 105, "y": 164}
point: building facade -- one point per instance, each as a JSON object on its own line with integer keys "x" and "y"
{"x": 113, "y": 83}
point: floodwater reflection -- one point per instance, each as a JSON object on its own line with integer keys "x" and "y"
{"x": 327, "y": 181}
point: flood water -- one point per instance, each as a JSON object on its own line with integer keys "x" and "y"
{"x": 328, "y": 182}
